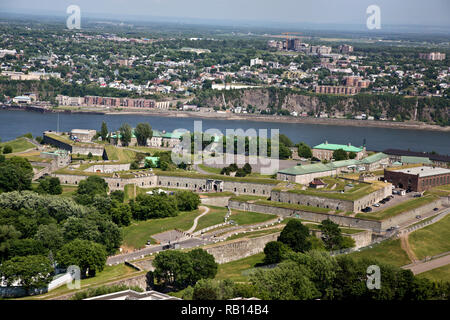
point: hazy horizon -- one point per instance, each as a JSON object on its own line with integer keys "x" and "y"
{"x": 432, "y": 13}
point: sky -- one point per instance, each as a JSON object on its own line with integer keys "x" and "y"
{"x": 393, "y": 12}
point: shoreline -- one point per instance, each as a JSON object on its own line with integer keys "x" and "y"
{"x": 251, "y": 117}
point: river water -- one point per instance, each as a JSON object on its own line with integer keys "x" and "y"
{"x": 16, "y": 123}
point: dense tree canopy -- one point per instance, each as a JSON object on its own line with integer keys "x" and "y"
{"x": 89, "y": 256}
{"x": 296, "y": 236}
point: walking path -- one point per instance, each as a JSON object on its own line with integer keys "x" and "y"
{"x": 191, "y": 230}
{"x": 424, "y": 266}
{"x": 407, "y": 248}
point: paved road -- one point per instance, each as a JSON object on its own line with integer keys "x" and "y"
{"x": 429, "y": 265}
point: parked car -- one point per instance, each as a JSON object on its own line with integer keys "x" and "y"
{"x": 387, "y": 199}
{"x": 435, "y": 209}
{"x": 418, "y": 217}
{"x": 382, "y": 201}
{"x": 376, "y": 205}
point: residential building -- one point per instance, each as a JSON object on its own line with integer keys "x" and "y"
{"x": 325, "y": 150}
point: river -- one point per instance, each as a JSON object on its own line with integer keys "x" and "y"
{"x": 16, "y": 123}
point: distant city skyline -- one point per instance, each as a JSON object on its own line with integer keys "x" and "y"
{"x": 344, "y": 12}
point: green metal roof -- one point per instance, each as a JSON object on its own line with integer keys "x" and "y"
{"x": 414, "y": 160}
{"x": 306, "y": 169}
{"x": 333, "y": 147}
{"x": 374, "y": 158}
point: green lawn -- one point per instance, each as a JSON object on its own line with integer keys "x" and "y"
{"x": 18, "y": 145}
{"x": 246, "y": 217}
{"x": 388, "y": 251}
{"x": 121, "y": 154}
{"x": 215, "y": 216}
{"x": 400, "y": 208}
{"x": 233, "y": 270}
{"x": 210, "y": 169}
{"x": 431, "y": 240}
{"x": 438, "y": 274}
{"x": 137, "y": 234}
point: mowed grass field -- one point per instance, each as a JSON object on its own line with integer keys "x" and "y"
{"x": 431, "y": 240}
{"x": 138, "y": 233}
{"x": 121, "y": 154}
{"x": 247, "y": 217}
{"x": 215, "y": 216}
{"x": 389, "y": 251}
{"x": 18, "y": 145}
{"x": 233, "y": 270}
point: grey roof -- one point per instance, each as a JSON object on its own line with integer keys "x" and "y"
{"x": 424, "y": 171}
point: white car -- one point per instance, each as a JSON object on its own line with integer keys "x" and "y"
{"x": 376, "y": 205}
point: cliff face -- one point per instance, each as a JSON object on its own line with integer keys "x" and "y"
{"x": 403, "y": 108}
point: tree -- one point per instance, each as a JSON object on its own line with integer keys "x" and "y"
{"x": 143, "y": 132}
{"x": 339, "y": 155}
{"x": 304, "y": 150}
{"x": 274, "y": 252}
{"x": 153, "y": 206}
{"x": 331, "y": 235}
{"x": 49, "y": 185}
{"x": 210, "y": 289}
{"x": 187, "y": 200}
{"x": 51, "y": 236}
{"x": 15, "y": 174}
{"x": 296, "y": 236}
{"x": 173, "y": 268}
{"x": 7, "y": 149}
{"x": 126, "y": 133}
{"x": 118, "y": 195}
{"x": 89, "y": 256}
{"x": 288, "y": 281}
{"x": 121, "y": 214}
{"x": 104, "y": 131}
{"x": 89, "y": 188}
{"x": 352, "y": 155}
{"x": 285, "y": 140}
{"x": 247, "y": 168}
{"x": 203, "y": 264}
{"x": 284, "y": 152}
{"x": 30, "y": 272}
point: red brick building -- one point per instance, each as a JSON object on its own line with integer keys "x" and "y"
{"x": 418, "y": 179}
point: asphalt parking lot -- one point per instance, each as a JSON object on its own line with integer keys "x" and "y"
{"x": 393, "y": 202}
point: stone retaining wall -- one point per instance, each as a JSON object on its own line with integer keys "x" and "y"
{"x": 241, "y": 248}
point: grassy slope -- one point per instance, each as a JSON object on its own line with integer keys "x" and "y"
{"x": 215, "y": 216}
{"x": 431, "y": 240}
{"x": 389, "y": 251}
{"x": 438, "y": 274}
{"x": 18, "y": 145}
{"x": 137, "y": 234}
{"x": 400, "y": 208}
{"x": 233, "y": 270}
{"x": 245, "y": 217}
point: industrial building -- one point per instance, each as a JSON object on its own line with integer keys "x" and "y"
{"x": 418, "y": 179}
